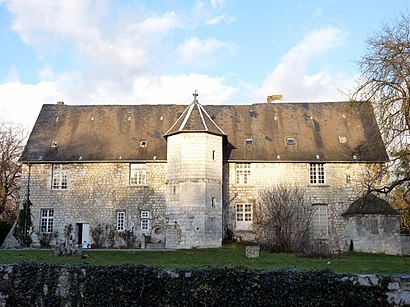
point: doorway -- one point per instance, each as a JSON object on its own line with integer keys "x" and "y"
{"x": 82, "y": 233}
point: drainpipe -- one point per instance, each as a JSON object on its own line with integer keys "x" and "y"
{"x": 27, "y": 202}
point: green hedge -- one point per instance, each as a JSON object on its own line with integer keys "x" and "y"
{"x": 137, "y": 285}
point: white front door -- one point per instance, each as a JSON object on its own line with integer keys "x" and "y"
{"x": 86, "y": 233}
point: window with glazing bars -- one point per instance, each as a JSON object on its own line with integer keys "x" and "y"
{"x": 138, "y": 174}
{"x": 60, "y": 177}
{"x": 317, "y": 173}
{"x": 47, "y": 220}
{"x": 120, "y": 220}
{"x": 243, "y": 173}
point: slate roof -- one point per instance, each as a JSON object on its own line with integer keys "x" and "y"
{"x": 75, "y": 133}
{"x": 370, "y": 204}
{"x": 194, "y": 119}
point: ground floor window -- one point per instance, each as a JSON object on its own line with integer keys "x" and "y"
{"x": 47, "y": 220}
{"x": 145, "y": 221}
{"x": 120, "y": 220}
{"x": 244, "y": 216}
{"x": 320, "y": 221}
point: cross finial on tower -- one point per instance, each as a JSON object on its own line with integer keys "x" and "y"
{"x": 195, "y": 94}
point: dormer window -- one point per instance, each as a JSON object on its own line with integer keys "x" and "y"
{"x": 249, "y": 141}
{"x": 143, "y": 144}
{"x": 54, "y": 144}
{"x": 342, "y": 139}
{"x": 290, "y": 141}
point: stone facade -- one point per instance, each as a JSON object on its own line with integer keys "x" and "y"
{"x": 184, "y": 199}
{"x": 337, "y": 193}
{"x": 95, "y": 193}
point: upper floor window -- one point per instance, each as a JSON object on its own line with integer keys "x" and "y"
{"x": 138, "y": 174}
{"x": 319, "y": 222}
{"x": 59, "y": 177}
{"x": 317, "y": 173}
{"x": 47, "y": 220}
{"x": 243, "y": 173}
{"x": 244, "y": 216}
{"x": 121, "y": 220}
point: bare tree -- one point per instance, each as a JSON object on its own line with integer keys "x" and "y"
{"x": 385, "y": 82}
{"x": 283, "y": 218}
{"x": 12, "y": 139}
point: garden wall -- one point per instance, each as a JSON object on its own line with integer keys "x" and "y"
{"x": 405, "y": 244}
{"x": 137, "y": 285}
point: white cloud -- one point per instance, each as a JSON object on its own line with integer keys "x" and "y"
{"x": 219, "y": 19}
{"x": 292, "y": 79}
{"x": 178, "y": 89}
{"x": 97, "y": 36}
{"x": 217, "y": 3}
{"x": 112, "y": 57}
{"x": 202, "y": 53}
{"x": 21, "y": 103}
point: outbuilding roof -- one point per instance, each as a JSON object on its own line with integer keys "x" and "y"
{"x": 282, "y": 132}
{"x": 370, "y": 204}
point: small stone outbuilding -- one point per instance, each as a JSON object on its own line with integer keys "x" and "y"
{"x": 373, "y": 226}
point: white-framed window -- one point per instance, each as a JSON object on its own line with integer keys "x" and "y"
{"x": 138, "y": 174}
{"x": 120, "y": 220}
{"x": 59, "y": 177}
{"x": 47, "y": 220}
{"x": 145, "y": 221}
{"x": 320, "y": 221}
{"x": 244, "y": 214}
{"x": 317, "y": 173}
{"x": 243, "y": 173}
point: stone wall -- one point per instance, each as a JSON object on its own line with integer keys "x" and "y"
{"x": 375, "y": 233}
{"x": 338, "y": 193}
{"x": 194, "y": 190}
{"x": 95, "y": 193}
{"x": 398, "y": 288}
{"x": 405, "y": 244}
{"x": 190, "y": 199}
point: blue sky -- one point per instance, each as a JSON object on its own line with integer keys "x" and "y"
{"x": 154, "y": 52}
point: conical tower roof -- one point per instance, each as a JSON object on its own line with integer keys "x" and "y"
{"x": 194, "y": 119}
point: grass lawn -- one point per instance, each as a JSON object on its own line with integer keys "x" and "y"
{"x": 227, "y": 256}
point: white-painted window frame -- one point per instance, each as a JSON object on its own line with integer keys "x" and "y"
{"x": 243, "y": 216}
{"x": 46, "y": 220}
{"x": 120, "y": 220}
{"x": 243, "y": 173}
{"x": 138, "y": 174}
{"x": 59, "y": 177}
{"x": 145, "y": 221}
{"x": 317, "y": 173}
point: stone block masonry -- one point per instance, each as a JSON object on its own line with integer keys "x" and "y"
{"x": 95, "y": 193}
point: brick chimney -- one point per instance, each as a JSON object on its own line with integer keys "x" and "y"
{"x": 272, "y": 98}
{"x": 60, "y": 102}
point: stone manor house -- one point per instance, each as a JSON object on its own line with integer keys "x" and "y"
{"x": 183, "y": 175}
